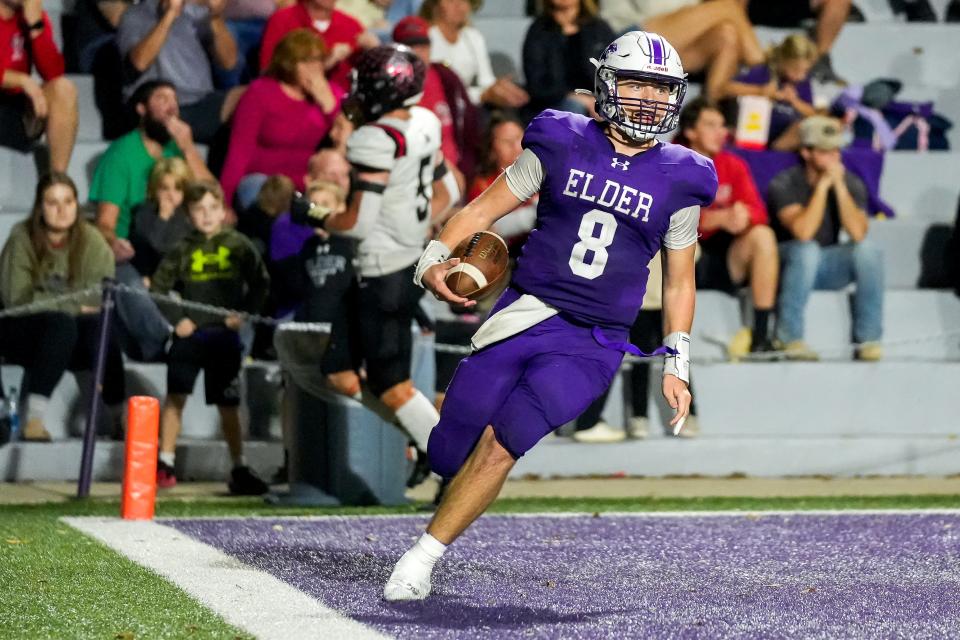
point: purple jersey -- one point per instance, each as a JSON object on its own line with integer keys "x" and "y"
{"x": 602, "y": 216}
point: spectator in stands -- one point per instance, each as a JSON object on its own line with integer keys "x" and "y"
{"x": 97, "y": 54}
{"x": 177, "y": 41}
{"x": 160, "y": 222}
{"x": 28, "y": 107}
{"x": 329, "y": 165}
{"x": 281, "y": 118}
{"x": 339, "y": 134}
{"x": 820, "y": 211}
{"x": 556, "y": 55}
{"x": 737, "y": 244}
{"x": 714, "y": 37}
{"x": 97, "y": 22}
{"x": 246, "y": 20}
{"x": 454, "y": 42}
{"x": 120, "y": 183}
{"x": 273, "y": 199}
{"x": 52, "y": 253}
{"x": 445, "y": 95}
{"x": 647, "y": 334}
{"x": 342, "y": 34}
{"x": 785, "y": 80}
{"x": 215, "y": 266}
{"x": 830, "y": 17}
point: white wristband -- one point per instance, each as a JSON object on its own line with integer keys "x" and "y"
{"x": 679, "y": 364}
{"x": 435, "y": 253}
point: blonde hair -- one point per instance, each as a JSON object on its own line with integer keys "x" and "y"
{"x": 793, "y": 47}
{"x": 176, "y": 167}
{"x": 325, "y": 186}
{"x": 297, "y": 46}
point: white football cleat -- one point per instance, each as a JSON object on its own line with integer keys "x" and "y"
{"x": 410, "y": 580}
{"x": 600, "y": 433}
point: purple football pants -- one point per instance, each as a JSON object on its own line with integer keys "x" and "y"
{"x": 525, "y": 386}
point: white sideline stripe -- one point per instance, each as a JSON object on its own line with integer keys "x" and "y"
{"x": 471, "y": 271}
{"x": 245, "y": 597}
{"x": 731, "y": 513}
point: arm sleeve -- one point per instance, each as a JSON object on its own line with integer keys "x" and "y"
{"x": 372, "y": 148}
{"x": 683, "y": 228}
{"x": 243, "y": 140}
{"x": 164, "y": 280}
{"x": 46, "y": 56}
{"x": 133, "y": 28}
{"x": 525, "y": 175}
{"x": 857, "y": 189}
{"x": 16, "y": 273}
{"x": 485, "y": 76}
{"x": 110, "y": 179}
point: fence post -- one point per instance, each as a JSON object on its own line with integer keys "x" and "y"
{"x": 90, "y": 433}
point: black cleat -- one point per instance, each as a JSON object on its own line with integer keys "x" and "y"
{"x": 244, "y": 482}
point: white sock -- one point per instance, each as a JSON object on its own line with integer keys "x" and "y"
{"x": 428, "y": 550}
{"x": 418, "y": 417}
{"x": 37, "y": 407}
{"x": 167, "y": 458}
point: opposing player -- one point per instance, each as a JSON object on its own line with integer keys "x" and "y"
{"x": 611, "y": 195}
{"x": 396, "y": 158}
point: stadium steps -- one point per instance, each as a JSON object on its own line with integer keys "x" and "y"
{"x": 747, "y": 456}
{"x": 922, "y": 186}
{"x": 196, "y": 460}
{"x": 18, "y": 174}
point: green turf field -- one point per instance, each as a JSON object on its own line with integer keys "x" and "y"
{"x": 60, "y": 584}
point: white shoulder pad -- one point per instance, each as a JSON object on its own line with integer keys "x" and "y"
{"x": 373, "y": 147}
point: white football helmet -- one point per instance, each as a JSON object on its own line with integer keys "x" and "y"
{"x": 644, "y": 56}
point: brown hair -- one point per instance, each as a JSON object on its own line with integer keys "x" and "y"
{"x": 197, "y": 189}
{"x": 588, "y": 9}
{"x": 275, "y": 194}
{"x": 297, "y": 46}
{"x": 691, "y": 114}
{"x": 487, "y": 163}
{"x": 329, "y": 187}
{"x": 428, "y": 8}
{"x": 37, "y": 228}
{"x": 176, "y": 167}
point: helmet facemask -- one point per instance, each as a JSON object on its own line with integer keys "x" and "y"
{"x": 638, "y": 119}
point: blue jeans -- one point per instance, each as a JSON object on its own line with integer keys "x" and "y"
{"x": 807, "y": 266}
{"x": 144, "y": 330}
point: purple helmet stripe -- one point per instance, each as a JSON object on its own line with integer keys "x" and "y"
{"x": 657, "y": 50}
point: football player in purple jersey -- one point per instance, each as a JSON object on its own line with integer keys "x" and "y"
{"x": 611, "y": 196}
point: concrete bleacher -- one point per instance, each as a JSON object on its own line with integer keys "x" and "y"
{"x": 835, "y": 417}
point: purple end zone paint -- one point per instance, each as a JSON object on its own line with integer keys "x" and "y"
{"x": 775, "y": 576}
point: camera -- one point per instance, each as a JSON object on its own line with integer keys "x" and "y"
{"x": 307, "y": 213}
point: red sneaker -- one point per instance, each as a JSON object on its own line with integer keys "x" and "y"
{"x": 166, "y": 477}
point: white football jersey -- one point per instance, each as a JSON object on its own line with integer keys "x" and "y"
{"x": 408, "y": 149}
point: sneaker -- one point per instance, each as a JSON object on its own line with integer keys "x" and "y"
{"x": 420, "y": 470}
{"x": 740, "y": 344}
{"x": 765, "y": 350}
{"x": 34, "y": 431}
{"x": 166, "y": 477}
{"x": 244, "y": 482}
{"x": 691, "y": 428}
{"x": 870, "y": 352}
{"x": 600, "y": 433}
{"x": 638, "y": 427}
{"x": 822, "y": 72}
{"x": 798, "y": 350}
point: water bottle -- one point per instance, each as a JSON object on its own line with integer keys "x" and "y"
{"x": 13, "y": 414}
{"x": 4, "y": 423}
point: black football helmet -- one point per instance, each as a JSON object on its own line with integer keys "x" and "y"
{"x": 386, "y": 78}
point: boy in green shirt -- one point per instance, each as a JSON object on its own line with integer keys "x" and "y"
{"x": 217, "y": 266}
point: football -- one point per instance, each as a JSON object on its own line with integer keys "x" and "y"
{"x": 483, "y": 263}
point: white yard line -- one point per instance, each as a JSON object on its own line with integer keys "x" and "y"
{"x": 731, "y": 513}
{"x": 245, "y": 597}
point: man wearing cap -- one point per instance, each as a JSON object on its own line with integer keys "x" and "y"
{"x": 445, "y": 95}
{"x": 819, "y": 213}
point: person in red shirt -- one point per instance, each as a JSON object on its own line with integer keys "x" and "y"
{"x": 342, "y": 34}
{"x": 27, "y": 107}
{"x": 736, "y": 242}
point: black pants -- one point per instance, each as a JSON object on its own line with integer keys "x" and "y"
{"x": 49, "y": 343}
{"x": 387, "y": 306}
{"x": 646, "y": 333}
